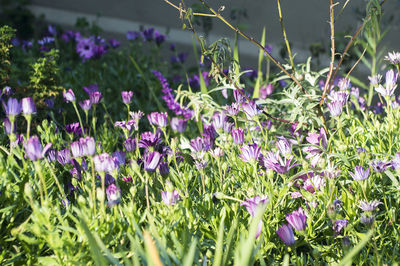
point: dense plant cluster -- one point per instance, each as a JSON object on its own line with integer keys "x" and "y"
{"x": 131, "y": 163}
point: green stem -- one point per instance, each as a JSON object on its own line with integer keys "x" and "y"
{"x": 79, "y": 117}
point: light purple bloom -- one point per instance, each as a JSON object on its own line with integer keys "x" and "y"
{"x": 275, "y": 162}
{"x": 286, "y": 234}
{"x": 95, "y": 97}
{"x": 266, "y": 91}
{"x": 69, "y": 96}
{"x": 28, "y": 106}
{"x": 369, "y": 206}
{"x": 335, "y": 108}
{"x": 130, "y": 144}
{"x": 73, "y": 128}
{"x": 13, "y": 107}
{"x": 297, "y": 219}
{"x": 158, "y": 119}
{"x": 375, "y": 80}
{"x": 170, "y": 197}
{"x": 380, "y": 166}
{"x": 344, "y": 84}
{"x": 86, "y": 48}
{"x": 105, "y": 163}
{"x": 238, "y": 95}
{"x": 218, "y": 120}
{"x": 238, "y": 136}
{"x": 88, "y": 146}
{"x": 178, "y": 125}
{"x": 34, "y": 150}
{"x": 114, "y": 43}
{"x": 314, "y": 183}
{"x": 151, "y": 161}
{"x": 390, "y": 85}
{"x": 250, "y": 153}
{"x": 163, "y": 168}
{"x": 149, "y": 139}
{"x": 91, "y": 88}
{"x": 252, "y": 205}
{"x": 284, "y": 146}
{"x": 86, "y": 105}
{"x": 250, "y": 109}
{"x": 64, "y": 156}
{"x": 339, "y": 225}
{"x": 359, "y": 173}
{"x": 127, "y": 96}
{"x": 366, "y": 219}
{"x": 8, "y": 127}
{"x": 396, "y": 161}
{"x": 77, "y": 149}
{"x": 113, "y": 195}
{"x": 132, "y": 35}
{"x": 197, "y": 144}
{"x": 393, "y": 58}
{"x": 233, "y": 109}
{"x": 120, "y": 156}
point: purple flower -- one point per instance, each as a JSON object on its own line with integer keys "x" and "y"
{"x": 390, "y": 85}
{"x": 95, "y": 97}
{"x": 28, "y": 106}
{"x": 120, "y": 157}
{"x": 339, "y": 225}
{"x": 209, "y": 131}
{"x": 86, "y": 48}
{"x": 49, "y": 102}
{"x": 151, "y": 161}
{"x": 91, "y": 88}
{"x": 252, "y": 205}
{"x": 51, "y": 155}
{"x": 114, "y": 43}
{"x": 314, "y": 152}
{"x": 77, "y": 149}
{"x": 217, "y": 152}
{"x": 360, "y": 173}
{"x": 159, "y": 38}
{"x": 158, "y": 119}
{"x": 238, "y": 136}
{"x": 393, "y": 58}
{"x": 130, "y": 144}
{"x": 88, "y": 146}
{"x": 284, "y": 146}
{"x": 149, "y": 139}
{"x": 250, "y": 153}
{"x": 169, "y": 98}
{"x": 69, "y": 96}
{"x": 275, "y": 162}
{"x": 250, "y": 109}
{"x": 366, "y": 219}
{"x": 297, "y": 219}
{"x": 64, "y": 156}
{"x": 266, "y": 91}
{"x": 396, "y": 161}
{"x": 286, "y": 234}
{"x": 335, "y": 108}
{"x": 148, "y": 34}
{"x": 197, "y": 144}
{"x": 113, "y": 195}
{"x": 375, "y": 80}
{"x": 218, "y": 120}
{"x": 233, "y": 109}
{"x": 34, "y": 150}
{"x": 86, "y": 105}
{"x": 127, "y": 96}
{"x": 344, "y": 84}
{"x": 105, "y": 163}
{"x": 380, "y": 166}
{"x": 132, "y": 35}
{"x": 13, "y": 107}
{"x": 314, "y": 183}
{"x": 369, "y": 206}
{"x": 163, "y": 168}
{"x": 178, "y": 125}
{"x": 170, "y": 197}
{"x": 8, "y": 127}
{"x": 73, "y": 128}
{"x": 238, "y": 95}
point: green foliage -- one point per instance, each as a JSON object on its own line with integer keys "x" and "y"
{"x": 6, "y": 34}
{"x": 44, "y": 78}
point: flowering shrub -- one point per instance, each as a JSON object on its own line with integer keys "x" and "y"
{"x": 208, "y": 171}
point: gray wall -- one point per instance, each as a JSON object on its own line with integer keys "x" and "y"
{"x": 306, "y": 21}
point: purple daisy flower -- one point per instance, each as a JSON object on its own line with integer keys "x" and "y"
{"x": 359, "y": 173}
{"x": 286, "y": 234}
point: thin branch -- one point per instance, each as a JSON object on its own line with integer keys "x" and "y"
{"x": 284, "y": 36}
{"x": 251, "y": 39}
{"x": 358, "y": 61}
{"x": 346, "y": 49}
{"x": 332, "y": 24}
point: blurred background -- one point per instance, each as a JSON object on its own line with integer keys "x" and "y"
{"x": 306, "y": 21}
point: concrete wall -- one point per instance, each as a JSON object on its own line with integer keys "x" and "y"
{"x": 306, "y": 21}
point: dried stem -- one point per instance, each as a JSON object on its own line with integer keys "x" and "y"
{"x": 284, "y": 36}
{"x": 251, "y": 39}
{"x": 356, "y": 63}
{"x": 346, "y": 49}
{"x": 332, "y": 24}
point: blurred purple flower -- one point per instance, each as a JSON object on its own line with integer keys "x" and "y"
{"x": 158, "y": 119}
{"x": 339, "y": 225}
{"x": 286, "y": 234}
{"x": 148, "y": 34}
{"x": 13, "y": 107}
{"x": 130, "y": 144}
{"x": 359, "y": 173}
{"x": 297, "y": 219}
{"x": 127, "y": 96}
{"x": 69, "y": 96}
{"x": 266, "y": 91}
{"x": 151, "y": 161}
{"x": 178, "y": 125}
{"x": 170, "y": 197}
{"x": 393, "y": 58}
{"x": 64, "y": 156}
{"x": 86, "y": 48}
{"x": 132, "y": 35}
{"x": 238, "y": 136}
{"x": 34, "y": 150}
{"x": 250, "y": 109}
{"x": 369, "y": 206}
{"x": 250, "y": 153}
{"x": 114, "y": 43}
{"x": 113, "y": 195}
{"x": 28, "y": 106}
{"x": 86, "y": 105}
{"x": 380, "y": 166}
